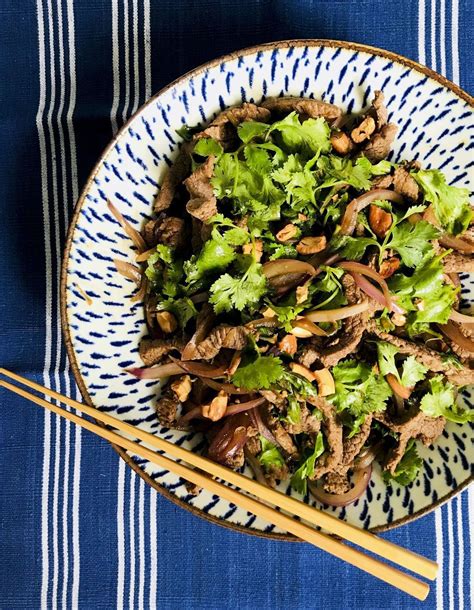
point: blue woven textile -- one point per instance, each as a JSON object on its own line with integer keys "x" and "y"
{"x": 78, "y": 529}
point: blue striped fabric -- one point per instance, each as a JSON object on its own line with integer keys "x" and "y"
{"x": 78, "y": 529}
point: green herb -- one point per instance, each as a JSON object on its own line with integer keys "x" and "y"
{"x": 270, "y": 457}
{"x": 286, "y": 313}
{"x": 299, "y": 183}
{"x": 337, "y": 171}
{"x": 451, "y": 204}
{"x": 293, "y": 411}
{"x": 412, "y": 370}
{"x": 248, "y": 130}
{"x": 258, "y": 373}
{"x": 229, "y": 292}
{"x": 206, "y": 147}
{"x": 306, "y": 469}
{"x": 441, "y": 402}
{"x": 408, "y": 468}
{"x": 164, "y": 272}
{"x": 216, "y": 255}
{"x": 310, "y": 136}
{"x": 183, "y": 308}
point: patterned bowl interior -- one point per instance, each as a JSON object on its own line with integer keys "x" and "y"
{"x": 105, "y": 327}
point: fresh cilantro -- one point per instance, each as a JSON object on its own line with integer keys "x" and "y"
{"x": 299, "y": 183}
{"x": 408, "y": 468}
{"x": 182, "y": 308}
{"x": 451, "y": 204}
{"x": 341, "y": 170}
{"x": 286, "y": 313}
{"x": 248, "y": 130}
{"x": 206, "y": 147}
{"x": 293, "y": 411}
{"x": 310, "y": 136}
{"x": 258, "y": 373}
{"x": 216, "y": 255}
{"x": 186, "y": 132}
{"x": 164, "y": 272}
{"x": 329, "y": 287}
{"x": 270, "y": 457}
{"x": 412, "y": 241}
{"x": 441, "y": 402}
{"x": 276, "y": 250}
{"x": 230, "y": 292}
{"x": 234, "y": 235}
{"x": 359, "y": 391}
{"x": 352, "y": 248}
{"x": 412, "y": 370}
{"x": 306, "y": 469}
{"x": 297, "y": 385}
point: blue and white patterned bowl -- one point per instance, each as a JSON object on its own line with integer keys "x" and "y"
{"x": 103, "y": 327}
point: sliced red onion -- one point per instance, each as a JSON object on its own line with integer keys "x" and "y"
{"x": 244, "y": 406}
{"x": 144, "y": 256}
{"x": 129, "y": 230}
{"x": 462, "y": 318}
{"x": 349, "y": 219}
{"x": 331, "y": 315}
{"x": 361, "y": 479}
{"x": 367, "y": 456}
{"x": 200, "y": 369}
{"x": 128, "y": 270}
{"x": 156, "y": 372}
{"x": 456, "y": 243}
{"x": 228, "y": 388}
{"x": 453, "y": 332}
{"x": 306, "y": 324}
{"x": 257, "y": 421}
{"x": 397, "y": 387}
{"x": 285, "y": 266}
{"x": 361, "y": 269}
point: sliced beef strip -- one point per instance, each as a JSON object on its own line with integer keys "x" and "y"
{"x": 166, "y": 409}
{"x": 223, "y": 336}
{"x": 308, "y": 424}
{"x": 202, "y": 204}
{"x": 170, "y": 231}
{"x": 378, "y": 111}
{"x": 428, "y": 357}
{"x": 415, "y": 425}
{"x": 405, "y": 184}
{"x": 380, "y": 143}
{"x": 202, "y": 208}
{"x": 307, "y": 107}
{"x": 458, "y": 263}
{"x": 282, "y": 437}
{"x": 382, "y": 182}
{"x": 333, "y": 433}
{"x": 352, "y": 446}
{"x": 153, "y": 350}
{"x": 464, "y": 354}
{"x": 173, "y": 178}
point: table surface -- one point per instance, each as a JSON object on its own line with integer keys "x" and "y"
{"x": 78, "y": 529}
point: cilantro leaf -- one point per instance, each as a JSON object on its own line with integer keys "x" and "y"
{"x": 259, "y": 373}
{"x": 183, "y": 309}
{"x": 248, "y": 130}
{"x": 408, "y": 467}
{"x": 440, "y": 401}
{"x": 412, "y": 370}
{"x": 293, "y": 411}
{"x": 340, "y": 170}
{"x": 206, "y": 147}
{"x": 286, "y": 313}
{"x": 306, "y": 469}
{"x": 215, "y": 255}
{"x": 270, "y": 457}
{"x": 352, "y": 248}
{"x": 164, "y": 272}
{"x": 451, "y": 204}
{"x": 311, "y": 135}
{"x": 412, "y": 241}
{"x": 229, "y": 292}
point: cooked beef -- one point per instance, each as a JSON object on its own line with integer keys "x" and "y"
{"x": 245, "y": 112}
{"x": 352, "y": 446}
{"x": 204, "y": 322}
{"x": 415, "y": 425}
{"x": 153, "y": 350}
{"x": 201, "y": 208}
{"x": 166, "y": 409}
{"x": 466, "y": 355}
{"x": 254, "y": 445}
{"x": 333, "y": 432}
{"x": 405, "y": 184}
{"x": 458, "y": 263}
{"x": 380, "y": 143}
{"x": 203, "y": 204}
{"x": 170, "y": 231}
{"x": 273, "y": 397}
{"x": 336, "y": 483}
{"x": 282, "y": 437}
{"x": 430, "y": 358}
{"x": 223, "y": 336}
{"x": 307, "y": 107}
{"x": 308, "y": 424}
{"x": 173, "y": 178}
{"x": 383, "y": 182}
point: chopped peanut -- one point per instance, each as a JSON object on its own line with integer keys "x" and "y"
{"x": 311, "y": 245}
{"x": 380, "y": 221}
{"x": 166, "y": 321}
{"x": 299, "y": 331}
{"x": 364, "y": 130}
{"x": 399, "y": 319}
{"x": 182, "y": 387}
{"x": 234, "y": 363}
{"x": 288, "y": 232}
{"x": 299, "y": 369}
{"x": 302, "y": 293}
{"x": 302, "y": 217}
{"x": 325, "y": 382}
{"x": 216, "y": 409}
{"x": 268, "y": 313}
{"x": 389, "y": 266}
{"x": 288, "y": 345}
{"x": 249, "y": 249}
{"x": 341, "y": 143}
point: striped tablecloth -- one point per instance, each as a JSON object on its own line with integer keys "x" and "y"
{"x": 77, "y": 528}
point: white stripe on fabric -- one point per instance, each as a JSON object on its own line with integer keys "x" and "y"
{"x": 141, "y": 544}
{"x": 131, "y": 551}
{"x": 136, "y": 70}
{"x": 147, "y": 47}
{"x": 115, "y": 67}
{"x": 121, "y": 535}
{"x": 153, "y": 569}
{"x": 442, "y": 36}
{"x": 455, "y": 40}
{"x": 460, "y": 546}
{"x": 433, "y": 34}
{"x": 449, "y": 511}
{"x": 48, "y": 303}
{"x": 421, "y": 32}
{"x": 126, "y": 60}
{"x": 439, "y": 557}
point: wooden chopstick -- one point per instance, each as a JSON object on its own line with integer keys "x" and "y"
{"x": 387, "y": 573}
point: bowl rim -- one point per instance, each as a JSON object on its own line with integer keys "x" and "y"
{"x": 282, "y": 44}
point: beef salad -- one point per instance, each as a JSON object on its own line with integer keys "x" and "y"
{"x": 302, "y": 296}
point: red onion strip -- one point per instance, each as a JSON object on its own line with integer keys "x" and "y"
{"x": 229, "y": 388}
{"x": 361, "y": 480}
{"x": 200, "y": 369}
{"x": 156, "y": 372}
{"x": 129, "y": 230}
{"x": 244, "y": 406}
{"x": 330, "y": 315}
{"x": 452, "y": 331}
{"x": 462, "y": 318}
{"x": 284, "y": 266}
{"x": 349, "y": 219}
{"x": 397, "y": 387}
{"x": 128, "y": 270}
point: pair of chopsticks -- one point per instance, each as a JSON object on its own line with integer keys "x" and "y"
{"x": 258, "y": 504}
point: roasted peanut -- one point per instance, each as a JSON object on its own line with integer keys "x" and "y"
{"x": 299, "y": 369}
{"x": 325, "y": 382}
{"x": 311, "y": 245}
{"x": 288, "y": 345}
{"x": 364, "y": 130}
{"x": 288, "y": 232}
{"x": 302, "y": 293}
{"x": 217, "y": 407}
{"x": 182, "y": 387}
{"x": 341, "y": 143}
{"x": 166, "y": 321}
{"x": 389, "y": 266}
{"x": 257, "y": 252}
{"x": 234, "y": 363}
{"x": 380, "y": 221}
